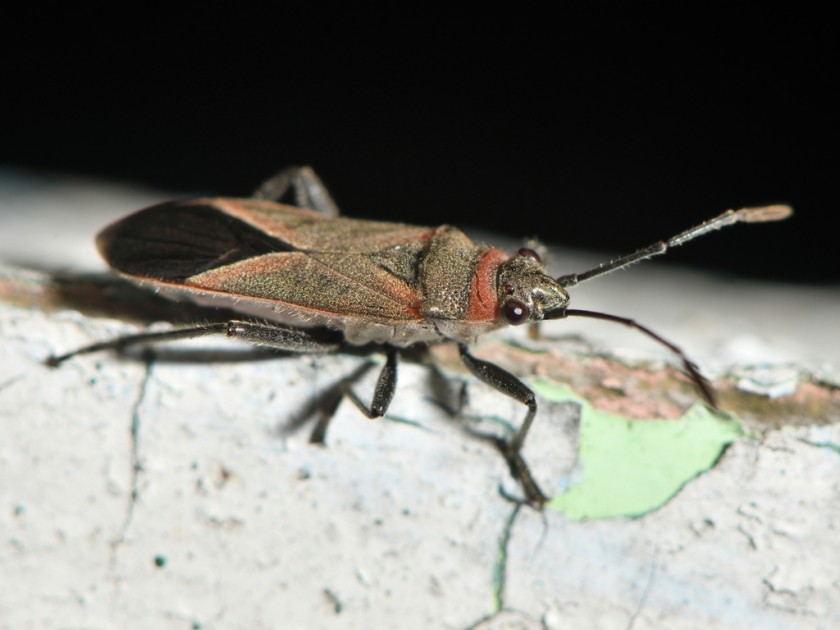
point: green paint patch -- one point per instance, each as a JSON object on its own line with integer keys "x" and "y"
{"x": 630, "y": 467}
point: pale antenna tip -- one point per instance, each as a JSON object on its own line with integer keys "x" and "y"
{"x": 765, "y": 213}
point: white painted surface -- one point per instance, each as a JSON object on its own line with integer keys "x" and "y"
{"x": 400, "y": 525}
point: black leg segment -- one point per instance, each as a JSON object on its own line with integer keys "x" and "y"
{"x": 506, "y": 383}
{"x": 281, "y": 337}
{"x": 383, "y": 394}
{"x": 301, "y": 187}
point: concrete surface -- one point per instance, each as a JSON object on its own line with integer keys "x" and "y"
{"x": 155, "y": 491}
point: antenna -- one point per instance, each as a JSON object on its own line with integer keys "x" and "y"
{"x": 690, "y": 367}
{"x": 763, "y": 214}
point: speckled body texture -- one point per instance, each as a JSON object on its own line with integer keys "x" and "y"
{"x": 375, "y": 281}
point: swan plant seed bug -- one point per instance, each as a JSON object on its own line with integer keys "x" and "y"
{"x": 317, "y": 282}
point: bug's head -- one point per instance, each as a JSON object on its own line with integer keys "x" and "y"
{"x": 526, "y": 292}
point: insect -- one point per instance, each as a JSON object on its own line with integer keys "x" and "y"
{"x": 307, "y": 280}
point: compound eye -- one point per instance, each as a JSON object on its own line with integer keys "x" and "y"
{"x": 515, "y": 312}
{"x": 529, "y": 253}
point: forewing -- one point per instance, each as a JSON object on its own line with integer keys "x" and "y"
{"x": 296, "y": 258}
{"x": 344, "y": 285}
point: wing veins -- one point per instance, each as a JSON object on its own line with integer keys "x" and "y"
{"x": 355, "y": 280}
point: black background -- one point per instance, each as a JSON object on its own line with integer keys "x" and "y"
{"x": 607, "y": 132}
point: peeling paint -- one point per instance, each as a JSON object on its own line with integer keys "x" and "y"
{"x": 630, "y": 467}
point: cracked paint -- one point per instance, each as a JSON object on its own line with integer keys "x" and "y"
{"x": 11, "y": 381}
{"x": 630, "y": 467}
{"x": 501, "y": 615}
{"x": 646, "y": 593}
{"x": 500, "y": 567}
{"x": 827, "y": 442}
{"x": 136, "y": 467}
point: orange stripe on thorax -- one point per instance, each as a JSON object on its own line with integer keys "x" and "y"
{"x": 484, "y": 300}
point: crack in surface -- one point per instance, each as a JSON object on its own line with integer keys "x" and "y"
{"x": 777, "y": 597}
{"x": 500, "y": 567}
{"x": 136, "y": 467}
{"x": 646, "y": 593}
{"x": 11, "y": 381}
{"x": 826, "y": 444}
{"x": 500, "y": 570}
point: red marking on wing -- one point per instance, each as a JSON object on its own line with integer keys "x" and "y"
{"x": 339, "y": 284}
{"x": 484, "y": 300}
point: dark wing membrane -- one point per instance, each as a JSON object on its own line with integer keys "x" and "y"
{"x": 339, "y": 284}
{"x": 292, "y": 257}
{"x": 174, "y": 241}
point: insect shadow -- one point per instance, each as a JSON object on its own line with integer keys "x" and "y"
{"x": 113, "y": 297}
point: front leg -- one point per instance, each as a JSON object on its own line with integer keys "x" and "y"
{"x": 506, "y": 383}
